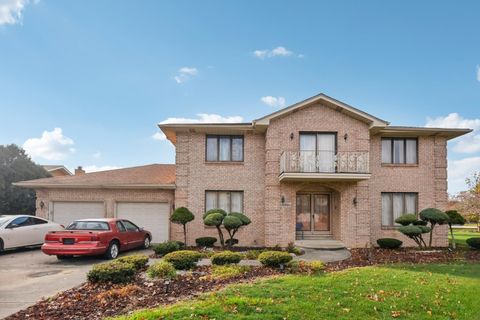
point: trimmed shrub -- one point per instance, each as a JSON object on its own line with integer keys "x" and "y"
{"x": 406, "y": 219}
{"x": 139, "y": 261}
{"x": 226, "y": 257}
{"x": 162, "y": 270}
{"x": 231, "y": 242}
{"x": 316, "y": 267}
{"x": 166, "y": 247}
{"x": 229, "y": 271}
{"x": 205, "y": 241}
{"x": 274, "y": 258}
{"x": 434, "y": 216}
{"x": 114, "y": 272}
{"x": 419, "y": 223}
{"x": 473, "y": 242}
{"x": 252, "y": 254}
{"x": 306, "y": 267}
{"x": 182, "y": 216}
{"x": 180, "y": 244}
{"x": 184, "y": 259}
{"x": 389, "y": 243}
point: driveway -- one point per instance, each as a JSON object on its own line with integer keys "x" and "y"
{"x": 28, "y": 275}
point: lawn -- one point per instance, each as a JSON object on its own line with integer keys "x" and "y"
{"x": 462, "y": 235}
{"x": 435, "y": 291}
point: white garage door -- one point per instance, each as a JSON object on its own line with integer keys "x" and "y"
{"x": 65, "y": 212}
{"x": 154, "y": 217}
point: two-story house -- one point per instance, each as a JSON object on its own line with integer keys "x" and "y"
{"x": 319, "y": 169}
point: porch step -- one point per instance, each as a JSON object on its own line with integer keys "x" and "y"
{"x": 314, "y": 237}
{"x": 325, "y": 244}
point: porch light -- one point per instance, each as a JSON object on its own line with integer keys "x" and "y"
{"x": 291, "y": 136}
{"x": 282, "y": 199}
{"x": 42, "y": 205}
{"x": 355, "y": 201}
{"x": 345, "y": 136}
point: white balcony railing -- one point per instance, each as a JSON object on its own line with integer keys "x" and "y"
{"x": 324, "y": 162}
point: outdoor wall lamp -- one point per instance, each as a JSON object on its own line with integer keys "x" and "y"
{"x": 42, "y": 205}
{"x": 282, "y": 200}
{"x": 291, "y": 136}
{"x": 345, "y": 136}
{"x": 355, "y": 201}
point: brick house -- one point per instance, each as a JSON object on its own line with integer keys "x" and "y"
{"x": 319, "y": 169}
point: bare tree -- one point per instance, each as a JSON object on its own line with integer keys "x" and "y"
{"x": 469, "y": 201}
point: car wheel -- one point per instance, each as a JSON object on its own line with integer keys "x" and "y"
{"x": 146, "y": 242}
{"x": 112, "y": 251}
{"x": 64, "y": 257}
{"x": 1, "y": 245}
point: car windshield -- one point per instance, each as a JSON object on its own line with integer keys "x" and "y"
{"x": 88, "y": 225}
{"x": 3, "y": 220}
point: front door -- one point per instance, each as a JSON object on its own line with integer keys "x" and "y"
{"x": 313, "y": 212}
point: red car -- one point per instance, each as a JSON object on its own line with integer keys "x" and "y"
{"x": 96, "y": 237}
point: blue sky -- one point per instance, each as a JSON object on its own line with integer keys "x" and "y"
{"x": 86, "y": 82}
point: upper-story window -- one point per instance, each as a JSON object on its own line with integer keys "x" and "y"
{"x": 224, "y": 148}
{"x": 400, "y": 150}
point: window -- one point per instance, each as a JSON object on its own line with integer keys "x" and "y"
{"x": 399, "y": 150}
{"x": 224, "y": 148}
{"x": 395, "y": 204}
{"x": 88, "y": 225}
{"x": 20, "y": 222}
{"x": 120, "y": 226}
{"x": 38, "y": 221}
{"x": 317, "y": 152}
{"x": 130, "y": 226}
{"x": 230, "y": 201}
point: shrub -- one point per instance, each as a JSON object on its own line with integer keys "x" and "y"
{"x": 232, "y": 222}
{"x": 316, "y": 267}
{"x": 205, "y": 241}
{"x": 226, "y": 257}
{"x": 231, "y": 242}
{"x": 214, "y": 218}
{"x": 228, "y": 271}
{"x": 274, "y": 258}
{"x": 415, "y": 233}
{"x": 307, "y": 267}
{"x": 420, "y": 223}
{"x": 182, "y": 216}
{"x": 162, "y": 270}
{"x": 454, "y": 218}
{"x": 434, "y": 216}
{"x": 180, "y": 244}
{"x": 183, "y": 260}
{"x": 114, "y": 272}
{"x": 474, "y": 242}
{"x": 166, "y": 247}
{"x": 389, "y": 243}
{"x": 252, "y": 254}
{"x": 406, "y": 219}
{"x": 139, "y": 261}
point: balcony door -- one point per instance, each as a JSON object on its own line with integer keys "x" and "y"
{"x": 317, "y": 152}
{"x": 313, "y": 212}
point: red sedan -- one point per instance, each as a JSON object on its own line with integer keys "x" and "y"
{"x": 96, "y": 237}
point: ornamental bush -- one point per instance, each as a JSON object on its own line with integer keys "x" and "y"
{"x": 162, "y": 270}
{"x": 434, "y": 216}
{"x": 113, "y": 272}
{"x": 231, "y": 242}
{"x": 182, "y": 216}
{"x": 166, "y": 247}
{"x": 184, "y": 259}
{"x": 139, "y": 261}
{"x": 226, "y": 257}
{"x": 252, "y": 254}
{"x": 229, "y": 271}
{"x": 406, "y": 219}
{"x": 305, "y": 267}
{"x": 389, "y": 243}
{"x": 454, "y": 218}
{"x": 274, "y": 258}
{"x": 473, "y": 242}
{"x": 205, "y": 241}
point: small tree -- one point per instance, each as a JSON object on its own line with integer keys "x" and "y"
{"x": 454, "y": 218}
{"x": 469, "y": 201}
{"x": 413, "y": 228}
{"x": 434, "y": 216}
{"x": 214, "y": 218}
{"x": 233, "y": 222}
{"x": 182, "y": 216}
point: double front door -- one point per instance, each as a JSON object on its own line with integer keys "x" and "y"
{"x": 313, "y": 212}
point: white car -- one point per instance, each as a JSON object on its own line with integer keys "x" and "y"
{"x": 22, "y": 231}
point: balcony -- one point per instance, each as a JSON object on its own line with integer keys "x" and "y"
{"x": 324, "y": 166}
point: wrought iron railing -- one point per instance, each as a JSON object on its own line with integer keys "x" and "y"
{"x": 324, "y": 162}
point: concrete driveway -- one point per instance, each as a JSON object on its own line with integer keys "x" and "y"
{"x": 28, "y": 275}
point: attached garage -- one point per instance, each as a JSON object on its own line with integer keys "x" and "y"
{"x": 152, "y": 216}
{"x": 65, "y": 212}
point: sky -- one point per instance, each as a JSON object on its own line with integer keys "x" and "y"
{"x": 87, "y": 82}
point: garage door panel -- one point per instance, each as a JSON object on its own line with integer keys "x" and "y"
{"x": 154, "y": 217}
{"x": 65, "y": 212}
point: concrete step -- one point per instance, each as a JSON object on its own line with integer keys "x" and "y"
{"x": 326, "y": 244}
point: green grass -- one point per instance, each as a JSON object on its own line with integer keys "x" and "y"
{"x": 462, "y": 235}
{"x": 435, "y": 291}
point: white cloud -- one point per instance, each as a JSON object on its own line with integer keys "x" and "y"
{"x": 205, "y": 118}
{"x": 94, "y": 168}
{"x": 159, "y": 136}
{"x": 275, "y": 52}
{"x": 276, "y": 102}
{"x": 478, "y": 73}
{"x": 97, "y": 155}
{"x": 185, "y": 74}
{"x": 468, "y": 143}
{"x": 11, "y": 11}
{"x": 52, "y": 145}
{"x": 459, "y": 170}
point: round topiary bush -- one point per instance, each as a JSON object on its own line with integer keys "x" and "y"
{"x": 473, "y": 242}
{"x": 182, "y": 216}
{"x": 113, "y": 272}
{"x": 226, "y": 257}
{"x": 205, "y": 241}
{"x": 231, "y": 242}
{"x": 419, "y": 223}
{"x": 274, "y": 258}
{"x": 162, "y": 270}
{"x": 183, "y": 260}
{"x": 406, "y": 219}
{"x": 389, "y": 243}
{"x": 434, "y": 216}
{"x": 139, "y": 261}
{"x": 166, "y": 247}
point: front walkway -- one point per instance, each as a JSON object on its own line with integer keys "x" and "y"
{"x": 325, "y": 255}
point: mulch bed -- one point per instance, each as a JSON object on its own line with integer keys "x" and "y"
{"x": 376, "y": 256}
{"x": 97, "y": 301}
